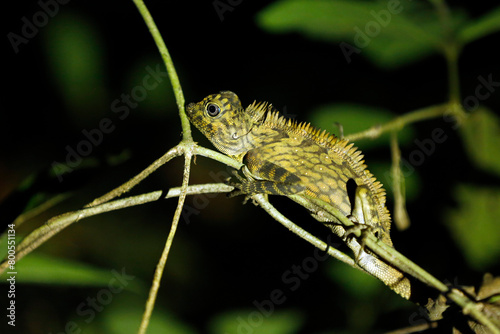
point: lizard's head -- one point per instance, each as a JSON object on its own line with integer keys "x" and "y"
{"x": 222, "y": 119}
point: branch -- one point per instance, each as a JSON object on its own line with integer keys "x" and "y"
{"x": 153, "y": 292}
{"x": 172, "y": 153}
{"x": 399, "y": 122}
{"x": 172, "y": 73}
{"x": 401, "y": 217}
{"x": 332, "y": 251}
{"x": 399, "y": 261}
{"x": 58, "y": 223}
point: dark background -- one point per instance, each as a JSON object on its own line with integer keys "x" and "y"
{"x": 228, "y": 255}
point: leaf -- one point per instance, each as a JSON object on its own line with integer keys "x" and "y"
{"x": 258, "y": 322}
{"x": 389, "y": 33}
{"x": 43, "y": 269}
{"x": 474, "y": 224}
{"x": 356, "y": 118}
{"x": 481, "y": 27}
{"x": 481, "y": 135}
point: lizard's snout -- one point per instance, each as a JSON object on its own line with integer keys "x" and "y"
{"x": 190, "y": 108}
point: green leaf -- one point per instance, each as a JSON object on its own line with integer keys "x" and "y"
{"x": 481, "y": 135}
{"x": 389, "y": 33}
{"x": 257, "y": 322}
{"x": 356, "y": 118}
{"x": 43, "y": 269}
{"x": 474, "y": 224}
{"x": 481, "y": 27}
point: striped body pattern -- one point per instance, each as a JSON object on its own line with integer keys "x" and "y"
{"x": 283, "y": 157}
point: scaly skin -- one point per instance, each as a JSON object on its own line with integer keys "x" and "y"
{"x": 282, "y": 157}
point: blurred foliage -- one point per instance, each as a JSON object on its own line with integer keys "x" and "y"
{"x": 474, "y": 224}
{"x": 253, "y": 321}
{"x": 481, "y": 135}
{"x": 76, "y": 59}
{"x": 388, "y": 33}
{"x": 126, "y": 317}
{"x": 43, "y": 269}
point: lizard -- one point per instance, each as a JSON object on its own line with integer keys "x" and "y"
{"x": 284, "y": 157}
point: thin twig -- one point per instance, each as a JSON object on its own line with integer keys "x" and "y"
{"x": 401, "y": 217}
{"x": 155, "y": 286}
{"x": 25, "y": 216}
{"x": 187, "y": 145}
{"x": 278, "y": 216}
{"x": 173, "y": 152}
{"x": 58, "y": 223}
{"x": 172, "y": 73}
{"x": 399, "y": 122}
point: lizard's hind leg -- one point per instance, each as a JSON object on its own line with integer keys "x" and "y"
{"x": 365, "y": 219}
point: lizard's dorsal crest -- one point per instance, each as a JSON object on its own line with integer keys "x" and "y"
{"x": 257, "y": 110}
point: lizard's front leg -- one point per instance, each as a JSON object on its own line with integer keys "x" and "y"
{"x": 268, "y": 179}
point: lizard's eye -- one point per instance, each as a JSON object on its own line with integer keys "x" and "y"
{"x": 213, "y": 109}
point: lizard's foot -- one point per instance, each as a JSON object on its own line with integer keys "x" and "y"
{"x": 359, "y": 232}
{"x": 237, "y": 182}
{"x": 230, "y": 181}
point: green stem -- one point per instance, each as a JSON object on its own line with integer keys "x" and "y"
{"x": 401, "y": 217}
{"x": 160, "y": 268}
{"x": 451, "y": 55}
{"x": 214, "y": 155}
{"x": 332, "y": 251}
{"x": 451, "y": 51}
{"x": 172, "y": 153}
{"x": 174, "y": 79}
{"x": 399, "y": 122}
{"x": 58, "y": 223}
